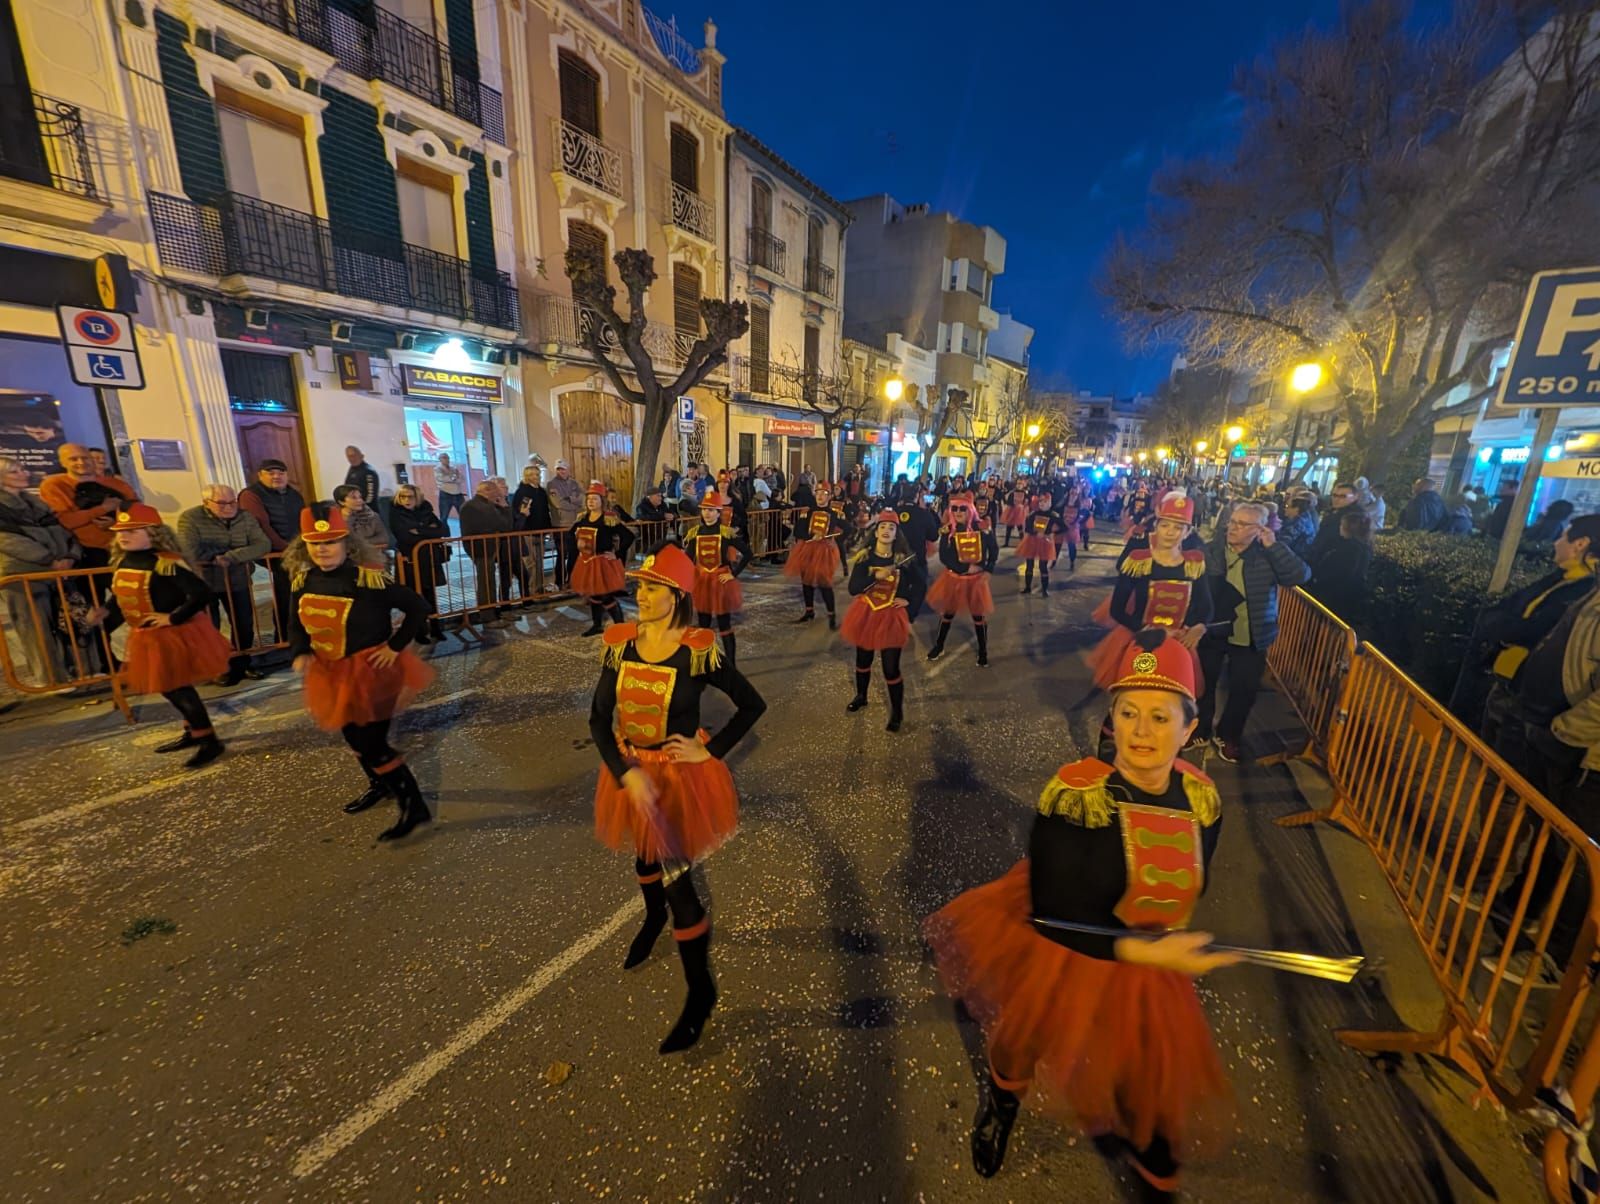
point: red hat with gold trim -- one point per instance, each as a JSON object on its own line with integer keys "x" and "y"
{"x": 670, "y": 566}
{"x": 596, "y": 489}
{"x": 136, "y": 516}
{"x": 823, "y": 485}
{"x": 1176, "y": 503}
{"x": 1155, "y": 661}
{"x": 319, "y": 524}
{"x": 886, "y": 516}
{"x": 713, "y": 501}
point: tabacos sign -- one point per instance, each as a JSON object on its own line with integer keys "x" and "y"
{"x": 448, "y": 384}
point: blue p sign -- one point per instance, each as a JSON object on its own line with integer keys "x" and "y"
{"x": 1556, "y": 358}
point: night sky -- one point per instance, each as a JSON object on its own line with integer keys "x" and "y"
{"x": 1046, "y": 123}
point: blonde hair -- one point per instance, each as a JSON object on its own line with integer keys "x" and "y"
{"x": 297, "y": 561}
{"x": 162, "y": 539}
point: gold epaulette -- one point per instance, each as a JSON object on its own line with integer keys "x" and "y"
{"x": 371, "y": 576}
{"x": 615, "y": 639}
{"x": 1139, "y": 563}
{"x": 705, "y": 651}
{"x": 1201, "y": 792}
{"x": 167, "y": 564}
{"x": 1194, "y": 564}
{"x": 1078, "y": 794}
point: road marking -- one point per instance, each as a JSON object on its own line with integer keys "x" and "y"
{"x": 331, "y": 1143}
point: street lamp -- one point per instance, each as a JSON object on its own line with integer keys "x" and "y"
{"x": 1200, "y": 446}
{"x": 1163, "y": 453}
{"x": 1143, "y": 457}
{"x": 1305, "y": 377}
{"x": 1234, "y": 433}
{"x": 894, "y": 388}
{"x": 1033, "y": 430}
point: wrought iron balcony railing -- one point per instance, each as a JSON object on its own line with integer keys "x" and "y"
{"x": 674, "y": 47}
{"x": 766, "y": 250}
{"x": 52, "y": 150}
{"x": 584, "y": 157}
{"x": 240, "y": 235}
{"x": 820, "y": 279}
{"x": 566, "y": 324}
{"x": 693, "y": 212}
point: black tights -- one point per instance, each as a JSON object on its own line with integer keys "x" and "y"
{"x": 1044, "y": 574}
{"x": 811, "y": 591}
{"x": 682, "y": 899}
{"x": 188, "y": 703}
{"x": 370, "y": 743}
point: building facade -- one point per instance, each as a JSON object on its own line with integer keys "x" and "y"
{"x": 786, "y": 260}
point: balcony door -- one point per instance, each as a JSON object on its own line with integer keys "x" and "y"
{"x": 685, "y": 159}
{"x": 580, "y": 94}
{"x": 270, "y": 211}
{"x": 21, "y": 149}
{"x": 428, "y": 226}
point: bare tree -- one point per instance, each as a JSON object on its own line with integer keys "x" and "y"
{"x": 837, "y": 399}
{"x": 609, "y": 332}
{"x": 1043, "y": 421}
{"x": 1391, "y": 193}
{"x": 936, "y": 413}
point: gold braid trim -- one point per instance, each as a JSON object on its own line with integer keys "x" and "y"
{"x": 703, "y": 661}
{"x": 1087, "y": 806}
{"x": 1138, "y": 566}
{"x": 1204, "y": 800}
{"x": 298, "y": 581}
{"x": 167, "y": 566}
{"x": 371, "y": 577}
{"x": 611, "y": 655}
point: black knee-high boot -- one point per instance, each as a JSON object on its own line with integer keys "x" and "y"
{"x": 413, "y": 810}
{"x": 897, "y": 689}
{"x": 597, "y": 619}
{"x": 691, "y": 930}
{"x": 1027, "y": 577}
{"x": 654, "y": 891}
{"x": 196, "y": 726}
{"x": 863, "y": 679}
{"x": 937, "y": 650}
{"x": 827, "y": 602}
{"x": 375, "y": 792}
{"x": 730, "y": 647}
{"x": 981, "y": 630}
{"x": 1044, "y": 579}
{"x": 1072, "y": 556}
{"x": 614, "y": 610}
{"x": 809, "y": 593}
{"x": 991, "y": 1128}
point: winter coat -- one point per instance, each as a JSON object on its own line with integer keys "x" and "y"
{"x": 1264, "y": 570}
{"x": 1423, "y": 512}
{"x": 31, "y": 537}
{"x": 203, "y": 537}
{"x": 530, "y": 508}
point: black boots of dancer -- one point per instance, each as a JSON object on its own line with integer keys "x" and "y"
{"x": 598, "y": 614}
{"x": 810, "y": 592}
{"x": 655, "y": 913}
{"x": 892, "y": 679}
{"x": 375, "y": 793}
{"x": 1044, "y": 578}
{"x": 413, "y": 810}
{"x": 691, "y": 933}
{"x": 694, "y": 948}
{"x": 937, "y": 650}
{"x": 197, "y": 730}
{"x": 991, "y": 1128}
{"x": 980, "y": 628}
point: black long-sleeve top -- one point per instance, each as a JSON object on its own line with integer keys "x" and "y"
{"x": 530, "y": 508}
{"x": 1042, "y": 522}
{"x": 950, "y": 552}
{"x": 347, "y": 617}
{"x": 818, "y": 522}
{"x": 729, "y": 539}
{"x": 907, "y": 583}
{"x": 671, "y": 685}
{"x": 1078, "y": 855}
{"x": 921, "y": 527}
{"x": 609, "y": 536}
{"x": 138, "y": 590}
{"x": 1131, "y": 595}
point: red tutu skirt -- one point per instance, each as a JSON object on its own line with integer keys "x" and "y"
{"x": 697, "y": 808}
{"x": 1107, "y": 1046}
{"x": 875, "y": 630}
{"x": 1014, "y": 516}
{"x": 354, "y": 690}
{"x": 597, "y": 576}
{"x": 162, "y": 659}
{"x": 714, "y": 596}
{"x": 814, "y": 561}
{"x": 961, "y": 593}
{"x": 1036, "y": 547}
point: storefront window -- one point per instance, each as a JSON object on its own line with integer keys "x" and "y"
{"x": 41, "y": 407}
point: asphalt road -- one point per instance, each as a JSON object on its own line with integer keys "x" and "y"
{"x": 216, "y": 986}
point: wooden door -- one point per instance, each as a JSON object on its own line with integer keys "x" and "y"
{"x": 274, "y": 437}
{"x": 597, "y": 440}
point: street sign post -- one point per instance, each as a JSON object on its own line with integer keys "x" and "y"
{"x": 101, "y": 347}
{"x": 1555, "y": 362}
{"x": 686, "y": 413}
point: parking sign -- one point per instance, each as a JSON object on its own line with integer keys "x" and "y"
{"x": 685, "y": 412}
{"x": 1556, "y": 359}
{"x": 100, "y": 347}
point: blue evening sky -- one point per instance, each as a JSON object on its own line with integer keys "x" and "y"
{"x": 1043, "y": 120}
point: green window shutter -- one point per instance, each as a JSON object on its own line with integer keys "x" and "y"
{"x": 480, "y": 221}
{"x": 356, "y": 175}
{"x": 461, "y": 30}
{"x": 194, "y": 118}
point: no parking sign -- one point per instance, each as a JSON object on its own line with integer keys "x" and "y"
{"x": 100, "y": 347}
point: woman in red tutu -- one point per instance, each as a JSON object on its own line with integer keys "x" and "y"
{"x": 720, "y": 554}
{"x": 597, "y": 546}
{"x": 887, "y": 584}
{"x": 664, "y": 791}
{"x": 172, "y": 644}
{"x": 814, "y": 555}
{"x": 1015, "y": 513}
{"x": 1160, "y": 583}
{"x": 1038, "y": 546}
{"x": 358, "y": 668}
{"x": 968, "y": 550}
{"x": 1105, "y": 1031}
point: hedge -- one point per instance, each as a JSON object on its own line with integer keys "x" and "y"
{"x": 1425, "y": 591}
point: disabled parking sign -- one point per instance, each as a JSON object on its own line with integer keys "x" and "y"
{"x": 1556, "y": 358}
{"x": 100, "y": 347}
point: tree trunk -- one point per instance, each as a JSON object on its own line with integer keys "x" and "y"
{"x": 658, "y": 409}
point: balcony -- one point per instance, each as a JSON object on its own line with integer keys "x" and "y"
{"x": 375, "y": 44}
{"x": 562, "y": 326}
{"x": 693, "y": 213}
{"x": 54, "y": 153}
{"x": 674, "y": 47}
{"x": 766, "y": 250}
{"x": 239, "y": 235}
{"x": 820, "y": 279}
{"x": 583, "y": 160}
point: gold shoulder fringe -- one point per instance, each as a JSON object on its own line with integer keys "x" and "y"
{"x": 1135, "y": 565}
{"x": 167, "y": 566}
{"x": 1087, "y": 806}
{"x": 1194, "y": 567}
{"x": 611, "y": 655}
{"x": 705, "y": 660}
{"x": 1204, "y": 800}
{"x": 298, "y": 581}
{"x": 369, "y": 577}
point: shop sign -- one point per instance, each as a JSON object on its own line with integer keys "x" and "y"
{"x": 792, "y": 428}
{"x": 1555, "y": 360}
{"x": 861, "y": 436}
{"x": 355, "y": 370}
{"x": 1579, "y": 468}
{"x": 447, "y": 384}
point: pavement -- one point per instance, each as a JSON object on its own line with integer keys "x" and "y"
{"x": 217, "y": 986}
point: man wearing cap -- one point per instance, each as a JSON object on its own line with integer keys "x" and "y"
{"x": 275, "y": 505}
{"x": 654, "y": 510}
{"x": 223, "y": 544}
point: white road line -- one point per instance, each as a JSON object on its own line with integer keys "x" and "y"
{"x": 331, "y": 1143}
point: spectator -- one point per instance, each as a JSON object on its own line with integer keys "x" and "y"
{"x": 1298, "y": 532}
{"x": 484, "y": 516}
{"x": 451, "y": 494}
{"x": 102, "y": 462}
{"x": 32, "y": 540}
{"x": 566, "y": 497}
{"x": 362, "y": 476}
{"x": 1425, "y": 509}
{"x": 654, "y": 509}
{"x": 1496, "y": 526}
{"x": 1478, "y": 502}
{"x": 222, "y": 544}
{"x": 671, "y": 484}
{"x": 1551, "y": 523}
{"x": 1378, "y": 511}
{"x": 530, "y": 504}
{"x": 275, "y": 505}
{"x": 86, "y": 504}
{"x": 1247, "y": 565}
{"x": 512, "y": 552}
{"x": 414, "y": 520}
{"x": 1340, "y": 579}
{"x": 1457, "y": 518}
{"x": 361, "y": 518}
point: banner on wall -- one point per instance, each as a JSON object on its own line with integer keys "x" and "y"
{"x": 31, "y": 432}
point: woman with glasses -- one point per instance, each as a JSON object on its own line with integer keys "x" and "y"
{"x": 412, "y": 517}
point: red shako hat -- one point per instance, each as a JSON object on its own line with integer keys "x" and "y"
{"x": 322, "y": 528}
{"x": 670, "y": 566}
{"x": 886, "y": 516}
{"x": 712, "y": 501}
{"x": 821, "y": 485}
{"x": 596, "y": 489}
{"x": 1176, "y": 503}
{"x": 1155, "y": 661}
{"x": 136, "y": 516}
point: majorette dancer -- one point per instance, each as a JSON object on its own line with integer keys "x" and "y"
{"x": 358, "y": 667}
{"x": 1161, "y": 583}
{"x": 886, "y": 582}
{"x": 172, "y": 644}
{"x": 1071, "y": 530}
{"x": 664, "y": 792}
{"x": 984, "y": 510}
{"x": 1038, "y": 544}
{"x": 1015, "y": 514}
{"x": 597, "y": 549}
{"x": 814, "y": 554}
{"x": 968, "y": 551}
{"x": 719, "y": 555}
{"x": 1104, "y": 1030}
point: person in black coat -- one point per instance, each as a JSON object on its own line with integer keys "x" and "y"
{"x": 412, "y": 520}
{"x": 1340, "y": 579}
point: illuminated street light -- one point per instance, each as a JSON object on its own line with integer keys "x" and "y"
{"x": 1234, "y": 433}
{"x": 1143, "y": 457}
{"x": 1163, "y": 453}
{"x": 1033, "y": 430}
{"x": 1305, "y": 377}
{"x": 894, "y": 388}
{"x": 1200, "y": 446}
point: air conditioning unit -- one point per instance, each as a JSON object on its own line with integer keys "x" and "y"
{"x": 256, "y": 319}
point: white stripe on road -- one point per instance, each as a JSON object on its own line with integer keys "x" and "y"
{"x": 335, "y": 1140}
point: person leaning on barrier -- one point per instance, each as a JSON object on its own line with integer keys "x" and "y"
{"x": 413, "y": 521}
{"x": 654, "y": 510}
{"x": 275, "y": 505}
{"x": 361, "y": 519}
{"x": 484, "y": 516}
{"x": 32, "y": 540}
{"x": 86, "y": 502}
{"x": 223, "y": 544}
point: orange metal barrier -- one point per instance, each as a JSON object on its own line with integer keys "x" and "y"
{"x": 1311, "y": 661}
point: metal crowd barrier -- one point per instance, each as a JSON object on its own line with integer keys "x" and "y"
{"x": 1484, "y": 867}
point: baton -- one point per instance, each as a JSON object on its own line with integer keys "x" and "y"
{"x": 1312, "y": 965}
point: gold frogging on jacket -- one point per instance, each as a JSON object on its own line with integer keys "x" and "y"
{"x": 324, "y": 617}
{"x": 644, "y": 696}
{"x": 131, "y": 588}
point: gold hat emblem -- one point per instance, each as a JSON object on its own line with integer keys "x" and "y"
{"x": 124, "y": 517}
{"x": 648, "y": 562}
{"x": 320, "y": 525}
{"x": 1144, "y": 663}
